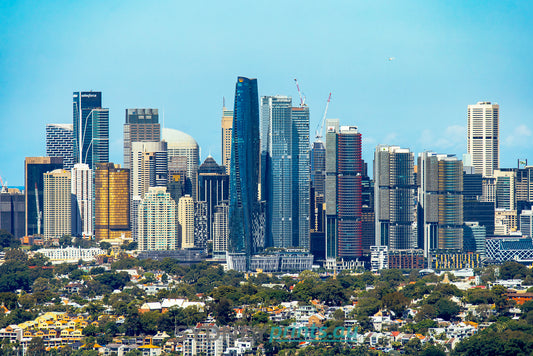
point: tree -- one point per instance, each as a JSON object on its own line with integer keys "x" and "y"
{"x": 395, "y": 302}
{"x": 223, "y": 312}
{"x": 513, "y": 270}
{"x": 36, "y": 347}
{"x": 16, "y": 254}
{"x": 8, "y": 240}
{"x": 105, "y": 245}
{"x": 446, "y": 309}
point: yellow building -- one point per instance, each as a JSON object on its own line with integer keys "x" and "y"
{"x": 112, "y": 201}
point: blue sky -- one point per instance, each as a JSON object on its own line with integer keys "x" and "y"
{"x": 183, "y": 57}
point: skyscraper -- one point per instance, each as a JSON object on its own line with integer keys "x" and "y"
{"x": 157, "y": 221}
{"x": 301, "y": 177}
{"x": 12, "y": 211}
{"x": 276, "y": 169}
{"x": 82, "y": 200}
{"x": 60, "y": 143}
{"x": 183, "y": 156}
{"x": 394, "y": 197}
{"x": 318, "y": 170}
{"x": 213, "y": 187}
{"x": 149, "y": 166}
{"x": 244, "y": 172}
{"x": 141, "y": 125}
{"x": 227, "y": 125}
{"x": 34, "y": 168}
{"x": 344, "y": 169}
{"x": 91, "y": 129}
{"x": 220, "y": 231}
{"x": 112, "y": 201}
{"x": 57, "y": 204}
{"x": 483, "y": 137}
{"x": 186, "y": 221}
{"x": 441, "y": 202}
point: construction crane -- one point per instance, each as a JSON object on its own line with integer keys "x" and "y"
{"x": 39, "y": 212}
{"x": 302, "y": 97}
{"x": 320, "y": 127}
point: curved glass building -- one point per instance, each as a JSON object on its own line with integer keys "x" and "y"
{"x": 244, "y": 208}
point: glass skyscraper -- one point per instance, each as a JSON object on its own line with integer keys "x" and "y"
{"x": 344, "y": 169}
{"x": 91, "y": 128}
{"x": 244, "y": 206}
{"x": 394, "y": 197}
{"x": 59, "y": 143}
{"x": 34, "y": 169}
{"x": 285, "y": 172}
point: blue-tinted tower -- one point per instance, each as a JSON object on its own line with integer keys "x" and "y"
{"x": 244, "y": 209}
{"x": 91, "y": 128}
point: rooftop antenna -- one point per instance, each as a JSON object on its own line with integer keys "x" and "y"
{"x": 223, "y": 101}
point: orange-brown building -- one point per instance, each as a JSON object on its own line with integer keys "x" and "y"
{"x": 112, "y": 201}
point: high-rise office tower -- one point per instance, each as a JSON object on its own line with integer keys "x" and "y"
{"x": 157, "y": 221}
{"x": 142, "y": 125}
{"x": 149, "y": 166}
{"x": 394, "y": 197}
{"x": 505, "y": 188}
{"x": 60, "y": 143}
{"x": 12, "y": 211}
{"x": 301, "y": 177}
{"x": 82, "y": 200}
{"x": 441, "y": 202}
{"x": 112, "y": 201}
{"x": 91, "y": 129}
{"x": 186, "y": 221}
{"x": 244, "y": 205}
{"x": 200, "y": 225}
{"x": 57, "y": 204}
{"x": 227, "y": 126}
{"x": 183, "y": 156}
{"x": 344, "y": 169}
{"x": 318, "y": 169}
{"x": 213, "y": 187}
{"x": 368, "y": 223}
{"x": 483, "y": 137}
{"x": 285, "y": 172}
{"x": 526, "y": 223}
{"x": 34, "y": 168}
{"x": 220, "y": 231}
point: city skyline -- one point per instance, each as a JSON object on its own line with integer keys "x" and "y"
{"x": 441, "y": 60}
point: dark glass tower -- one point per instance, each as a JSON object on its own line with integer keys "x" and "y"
{"x": 244, "y": 173}
{"x": 213, "y": 188}
{"x": 344, "y": 169}
{"x": 34, "y": 168}
{"x": 91, "y": 128}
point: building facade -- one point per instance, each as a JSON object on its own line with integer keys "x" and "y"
{"x": 91, "y": 129}
{"x": 12, "y": 212}
{"x": 213, "y": 188}
{"x": 441, "y": 202}
{"x": 141, "y": 125}
{"x": 227, "y": 127}
{"x": 60, "y": 143}
{"x": 34, "y": 169}
{"x": 285, "y": 172}
{"x": 112, "y": 202}
{"x": 82, "y": 201}
{"x": 157, "y": 221}
{"x": 183, "y": 157}
{"x": 344, "y": 169}
{"x": 186, "y": 221}
{"x": 483, "y": 137}
{"x": 244, "y": 208}
{"x": 394, "y": 197}
{"x": 57, "y": 204}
